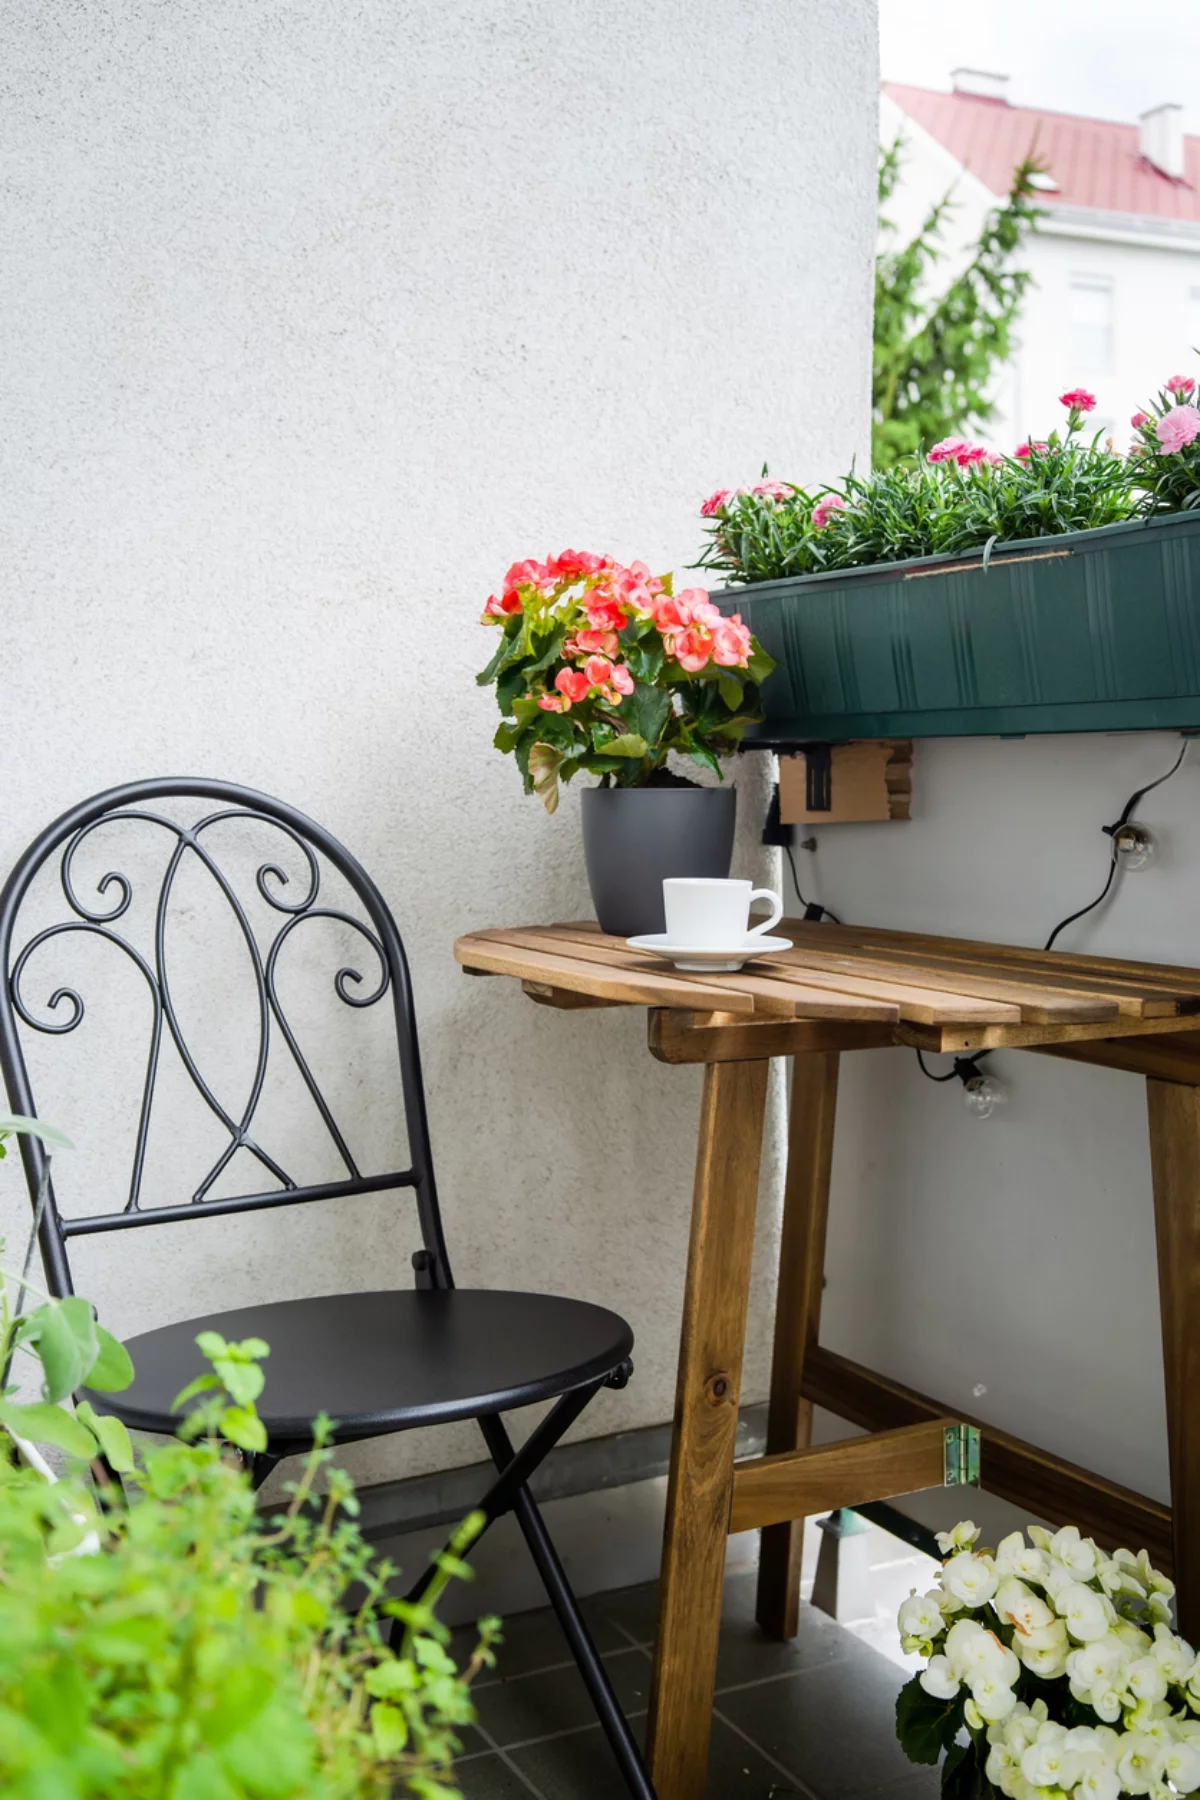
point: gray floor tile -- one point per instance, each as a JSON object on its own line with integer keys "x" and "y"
{"x": 746, "y": 1654}
{"x": 921, "y": 1783}
{"x": 634, "y": 1609}
{"x": 490, "y": 1778}
{"x": 533, "y": 1706}
{"x": 534, "y": 1640}
{"x": 833, "y": 1727}
{"x": 581, "y": 1767}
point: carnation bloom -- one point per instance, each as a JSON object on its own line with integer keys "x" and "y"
{"x": 1025, "y": 450}
{"x": 824, "y": 510}
{"x": 715, "y": 502}
{"x": 1078, "y": 400}
{"x": 948, "y": 449}
{"x": 1180, "y": 384}
{"x": 771, "y": 490}
{"x": 1178, "y": 427}
{"x": 1139, "y": 419}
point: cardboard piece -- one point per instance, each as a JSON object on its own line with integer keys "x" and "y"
{"x": 867, "y": 781}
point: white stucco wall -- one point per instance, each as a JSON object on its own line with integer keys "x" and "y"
{"x": 1007, "y": 1265}
{"x": 315, "y": 318}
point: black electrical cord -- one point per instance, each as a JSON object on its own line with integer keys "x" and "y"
{"x": 929, "y": 1072}
{"x": 812, "y": 908}
{"x": 1111, "y": 831}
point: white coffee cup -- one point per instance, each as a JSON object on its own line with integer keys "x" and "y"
{"x": 714, "y": 915}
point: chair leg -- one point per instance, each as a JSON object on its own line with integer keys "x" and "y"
{"x": 501, "y": 1496}
{"x": 562, "y": 1599}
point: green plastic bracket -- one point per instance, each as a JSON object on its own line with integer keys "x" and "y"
{"x": 960, "y": 1456}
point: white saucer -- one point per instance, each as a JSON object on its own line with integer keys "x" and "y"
{"x": 716, "y": 962}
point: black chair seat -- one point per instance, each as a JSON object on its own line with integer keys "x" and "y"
{"x": 384, "y": 1362}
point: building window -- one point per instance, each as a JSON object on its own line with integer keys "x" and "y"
{"x": 1090, "y": 317}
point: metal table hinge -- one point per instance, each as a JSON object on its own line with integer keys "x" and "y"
{"x": 960, "y": 1456}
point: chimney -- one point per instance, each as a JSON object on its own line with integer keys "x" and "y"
{"x": 980, "y": 85}
{"x": 1162, "y": 139}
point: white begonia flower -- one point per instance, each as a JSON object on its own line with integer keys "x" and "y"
{"x": 1106, "y": 1704}
{"x": 1015, "y": 1557}
{"x": 1153, "y": 1717}
{"x": 1181, "y": 1766}
{"x": 963, "y": 1537}
{"x": 1175, "y": 1654}
{"x": 1047, "y": 1662}
{"x": 994, "y": 1699}
{"x": 937, "y": 1679}
{"x": 974, "y": 1653}
{"x": 920, "y": 1618}
{"x": 1018, "y": 1605}
{"x": 1140, "y": 1763}
{"x": 1160, "y": 1584}
{"x": 1076, "y": 1553}
{"x": 1098, "y": 1778}
{"x": 1137, "y": 1641}
{"x": 1039, "y": 1535}
{"x": 1084, "y": 1612}
{"x": 1146, "y": 1679}
{"x": 1001, "y": 1765}
{"x": 1099, "y": 1664}
{"x": 1159, "y": 1608}
{"x": 1048, "y": 1762}
{"x": 970, "y": 1579}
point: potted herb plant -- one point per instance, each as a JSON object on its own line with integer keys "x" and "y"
{"x": 186, "y": 1646}
{"x": 964, "y": 593}
{"x": 603, "y": 669}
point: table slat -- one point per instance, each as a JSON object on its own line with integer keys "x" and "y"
{"x": 580, "y": 977}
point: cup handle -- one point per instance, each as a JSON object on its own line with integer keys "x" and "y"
{"x": 767, "y": 924}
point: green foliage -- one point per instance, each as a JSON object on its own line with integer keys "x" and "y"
{"x": 181, "y": 1647}
{"x": 925, "y": 508}
{"x": 934, "y": 358}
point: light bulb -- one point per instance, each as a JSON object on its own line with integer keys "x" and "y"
{"x": 1134, "y": 846}
{"x": 982, "y": 1095}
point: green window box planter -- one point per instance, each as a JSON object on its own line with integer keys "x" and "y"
{"x": 1090, "y": 631}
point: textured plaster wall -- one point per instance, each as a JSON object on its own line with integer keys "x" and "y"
{"x": 315, "y": 317}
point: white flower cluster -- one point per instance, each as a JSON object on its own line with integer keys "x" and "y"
{"x": 1095, "y": 1632}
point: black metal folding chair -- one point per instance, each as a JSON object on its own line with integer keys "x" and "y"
{"x": 375, "y": 1362}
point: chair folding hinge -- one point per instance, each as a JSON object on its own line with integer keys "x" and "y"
{"x": 960, "y": 1456}
{"x": 424, "y": 1264}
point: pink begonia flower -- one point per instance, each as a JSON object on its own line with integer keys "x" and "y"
{"x": 1178, "y": 427}
{"x": 1023, "y": 450}
{"x": 824, "y": 510}
{"x": 622, "y": 680}
{"x": 771, "y": 490}
{"x": 553, "y": 703}
{"x": 500, "y": 606}
{"x": 731, "y": 643}
{"x": 715, "y": 502}
{"x": 690, "y": 651}
{"x": 591, "y": 643}
{"x": 1180, "y": 384}
{"x": 1139, "y": 419}
{"x": 1078, "y": 399}
{"x": 572, "y": 684}
{"x": 947, "y": 449}
{"x": 603, "y": 614}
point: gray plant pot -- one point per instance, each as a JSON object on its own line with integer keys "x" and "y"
{"x": 634, "y": 838}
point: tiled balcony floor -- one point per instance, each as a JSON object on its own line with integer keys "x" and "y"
{"x": 812, "y": 1718}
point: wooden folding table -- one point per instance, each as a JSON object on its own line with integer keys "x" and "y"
{"x": 841, "y": 989}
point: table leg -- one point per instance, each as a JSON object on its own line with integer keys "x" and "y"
{"x": 1175, "y": 1164}
{"x": 797, "y": 1319}
{"x": 700, "y": 1485}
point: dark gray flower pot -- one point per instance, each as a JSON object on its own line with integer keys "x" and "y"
{"x": 634, "y": 838}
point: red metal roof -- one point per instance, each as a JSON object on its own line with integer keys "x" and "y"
{"x": 1095, "y": 161}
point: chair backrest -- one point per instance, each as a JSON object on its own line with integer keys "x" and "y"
{"x": 215, "y": 842}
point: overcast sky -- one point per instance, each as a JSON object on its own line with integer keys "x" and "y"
{"x": 1110, "y": 59}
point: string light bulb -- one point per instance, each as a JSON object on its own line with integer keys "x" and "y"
{"x": 1134, "y": 846}
{"x": 982, "y": 1094}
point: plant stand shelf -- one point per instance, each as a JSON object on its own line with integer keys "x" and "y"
{"x": 841, "y": 989}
